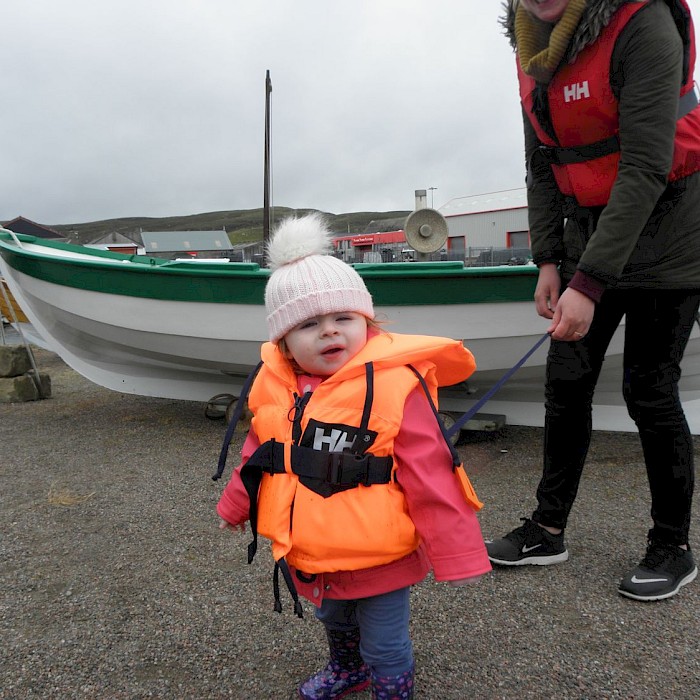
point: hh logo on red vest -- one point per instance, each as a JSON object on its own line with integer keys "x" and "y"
{"x": 577, "y": 91}
{"x": 334, "y": 437}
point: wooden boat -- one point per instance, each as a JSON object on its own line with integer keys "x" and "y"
{"x": 192, "y": 330}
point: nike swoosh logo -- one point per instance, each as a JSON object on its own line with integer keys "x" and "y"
{"x": 648, "y": 580}
{"x": 527, "y": 549}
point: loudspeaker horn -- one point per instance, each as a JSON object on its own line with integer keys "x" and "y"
{"x": 426, "y": 230}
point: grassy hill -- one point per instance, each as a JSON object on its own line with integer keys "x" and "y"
{"x": 242, "y": 226}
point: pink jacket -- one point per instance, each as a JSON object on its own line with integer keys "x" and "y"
{"x": 452, "y": 543}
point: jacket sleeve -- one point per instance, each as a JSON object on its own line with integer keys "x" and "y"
{"x": 234, "y": 505}
{"x": 646, "y": 70}
{"x": 445, "y": 522}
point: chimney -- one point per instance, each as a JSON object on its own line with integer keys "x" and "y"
{"x": 421, "y": 199}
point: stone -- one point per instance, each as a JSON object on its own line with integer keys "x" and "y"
{"x": 23, "y": 388}
{"x": 14, "y": 360}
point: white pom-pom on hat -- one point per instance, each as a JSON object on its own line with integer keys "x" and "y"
{"x": 298, "y": 238}
{"x": 306, "y": 281}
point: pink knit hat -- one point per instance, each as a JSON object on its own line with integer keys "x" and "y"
{"x": 306, "y": 281}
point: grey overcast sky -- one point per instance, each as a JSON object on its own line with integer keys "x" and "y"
{"x": 156, "y": 107}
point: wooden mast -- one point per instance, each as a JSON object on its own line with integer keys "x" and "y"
{"x": 266, "y": 185}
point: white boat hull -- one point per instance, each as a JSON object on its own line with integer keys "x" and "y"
{"x": 156, "y": 348}
{"x": 194, "y": 351}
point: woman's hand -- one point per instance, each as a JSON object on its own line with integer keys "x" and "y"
{"x": 572, "y": 317}
{"x": 571, "y": 314}
{"x": 547, "y": 290}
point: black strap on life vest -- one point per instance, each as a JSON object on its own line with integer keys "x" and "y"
{"x": 561, "y": 155}
{"x": 359, "y": 444}
{"x": 282, "y": 566}
{"x": 238, "y": 412}
{"x": 334, "y": 468}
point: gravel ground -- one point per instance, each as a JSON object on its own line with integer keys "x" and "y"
{"x": 116, "y": 583}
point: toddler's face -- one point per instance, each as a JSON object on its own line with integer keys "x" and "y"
{"x": 323, "y": 344}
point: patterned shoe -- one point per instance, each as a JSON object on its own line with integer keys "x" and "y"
{"x": 345, "y": 673}
{"x": 393, "y": 687}
{"x": 333, "y": 682}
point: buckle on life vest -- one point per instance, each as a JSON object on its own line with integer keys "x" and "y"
{"x": 547, "y": 152}
{"x": 347, "y": 468}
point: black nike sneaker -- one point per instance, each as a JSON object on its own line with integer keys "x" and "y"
{"x": 662, "y": 572}
{"x": 527, "y": 544}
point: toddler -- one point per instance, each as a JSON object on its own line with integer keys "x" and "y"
{"x": 346, "y": 469}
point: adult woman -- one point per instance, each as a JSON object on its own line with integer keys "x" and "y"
{"x": 612, "y": 140}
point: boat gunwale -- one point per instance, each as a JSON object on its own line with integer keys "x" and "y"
{"x": 150, "y": 264}
{"x": 438, "y": 283}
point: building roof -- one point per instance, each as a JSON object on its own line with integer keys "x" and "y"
{"x": 181, "y": 241}
{"x": 482, "y": 203}
{"x": 115, "y": 237}
{"x": 31, "y": 228}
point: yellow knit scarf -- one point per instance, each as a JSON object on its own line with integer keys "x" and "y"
{"x": 541, "y": 46}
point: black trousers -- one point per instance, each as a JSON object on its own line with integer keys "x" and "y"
{"x": 657, "y": 327}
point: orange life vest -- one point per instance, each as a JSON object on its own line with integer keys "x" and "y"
{"x": 317, "y": 521}
{"x": 584, "y": 115}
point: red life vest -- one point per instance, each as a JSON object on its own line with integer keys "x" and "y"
{"x": 584, "y": 113}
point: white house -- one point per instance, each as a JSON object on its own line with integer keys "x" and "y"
{"x": 483, "y": 222}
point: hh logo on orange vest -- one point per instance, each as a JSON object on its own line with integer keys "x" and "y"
{"x": 334, "y": 441}
{"x": 334, "y": 437}
{"x": 577, "y": 91}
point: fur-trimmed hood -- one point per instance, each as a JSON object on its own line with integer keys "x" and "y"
{"x": 596, "y": 16}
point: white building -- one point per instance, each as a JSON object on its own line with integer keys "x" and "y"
{"x": 484, "y": 222}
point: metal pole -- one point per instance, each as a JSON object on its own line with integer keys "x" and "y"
{"x": 432, "y": 197}
{"x": 266, "y": 184}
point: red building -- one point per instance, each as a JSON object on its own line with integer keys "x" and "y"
{"x": 388, "y": 246}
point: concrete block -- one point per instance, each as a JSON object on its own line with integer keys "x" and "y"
{"x": 14, "y": 360}
{"x": 23, "y": 388}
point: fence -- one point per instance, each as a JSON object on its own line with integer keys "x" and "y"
{"x": 471, "y": 257}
